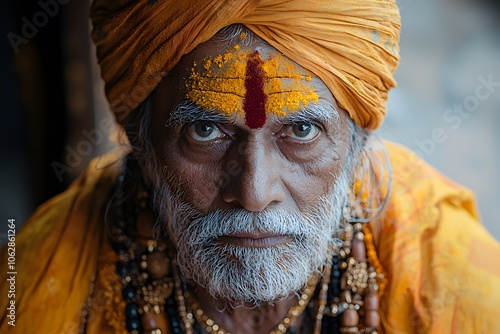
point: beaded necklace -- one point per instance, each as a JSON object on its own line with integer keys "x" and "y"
{"x": 287, "y": 324}
{"x": 345, "y": 300}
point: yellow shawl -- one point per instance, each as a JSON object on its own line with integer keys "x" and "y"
{"x": 441, "y": 264}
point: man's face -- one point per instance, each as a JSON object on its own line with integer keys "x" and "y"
{"x": 250, "y": 149}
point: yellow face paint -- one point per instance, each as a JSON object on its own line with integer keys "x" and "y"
{"x": 287, "y": 89}
{"x": 241, "y": 82}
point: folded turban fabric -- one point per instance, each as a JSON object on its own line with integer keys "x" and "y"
{"x": 352, "y": 45}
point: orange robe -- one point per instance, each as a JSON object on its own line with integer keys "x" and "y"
{"x": 441, "y": 264}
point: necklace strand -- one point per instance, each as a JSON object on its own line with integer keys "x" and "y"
{"x": 358, "y": 275}
{"x": 289, "y": 321}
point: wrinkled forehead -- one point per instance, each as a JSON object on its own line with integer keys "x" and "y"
{"x": 234, "y": 77}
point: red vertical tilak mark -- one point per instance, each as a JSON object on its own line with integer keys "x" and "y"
{"x": 254, "y": 103}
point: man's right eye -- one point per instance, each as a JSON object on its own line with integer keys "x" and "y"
{"x": 204, "y": 131}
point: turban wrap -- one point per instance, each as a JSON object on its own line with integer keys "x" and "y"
{"x": 352, "y": 45}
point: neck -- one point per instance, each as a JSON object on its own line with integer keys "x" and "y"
{"x": 245, "y": 318}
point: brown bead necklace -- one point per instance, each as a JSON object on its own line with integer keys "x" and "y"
{"x": 288, "y": 321}
{"x": 346, "y": 293}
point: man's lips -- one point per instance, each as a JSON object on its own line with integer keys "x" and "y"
{"x": 254, "y": 239}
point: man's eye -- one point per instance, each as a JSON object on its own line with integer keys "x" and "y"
{"x": 302, "y": 131}
{"x": 204, "y": 131}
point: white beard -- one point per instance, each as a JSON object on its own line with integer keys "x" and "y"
{"x": 246, "y": 274}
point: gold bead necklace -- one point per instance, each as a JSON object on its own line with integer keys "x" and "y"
{"x": 213, "y": 328}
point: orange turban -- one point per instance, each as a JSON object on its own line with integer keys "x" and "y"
{"x": 352, "y": 45}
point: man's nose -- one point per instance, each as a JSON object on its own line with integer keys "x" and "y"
{"x": 258, "y": 184}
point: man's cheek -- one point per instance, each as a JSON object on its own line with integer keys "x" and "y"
{"x": 202, "y": 188}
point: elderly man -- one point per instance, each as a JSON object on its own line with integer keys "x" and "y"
{"x": 254, "y": 198}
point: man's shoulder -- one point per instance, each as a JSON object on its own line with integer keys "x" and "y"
{"x": 57, "y": 248}
{"x": 423, "y": 204}
{"x": 425, "y": 185}
{"x": 84, "y": 192}
{"x": 432, "y": 245}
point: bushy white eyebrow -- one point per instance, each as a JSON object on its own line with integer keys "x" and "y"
{"x": 323, "y": 112}
{"x": 187, "y": 111}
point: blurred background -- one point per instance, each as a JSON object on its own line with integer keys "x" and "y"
{"x": 55, "y": 118}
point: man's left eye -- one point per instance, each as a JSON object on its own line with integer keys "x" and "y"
{"x": 204, "y": 131}
{"x": 302, "y": 131}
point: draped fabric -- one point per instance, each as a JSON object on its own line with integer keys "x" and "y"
{"x": 441, "y": 264}
{"x": 56, "y": 255}
{"x": 352, "y": 45}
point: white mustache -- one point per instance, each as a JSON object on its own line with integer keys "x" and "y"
{"x": 226, "y": 222}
